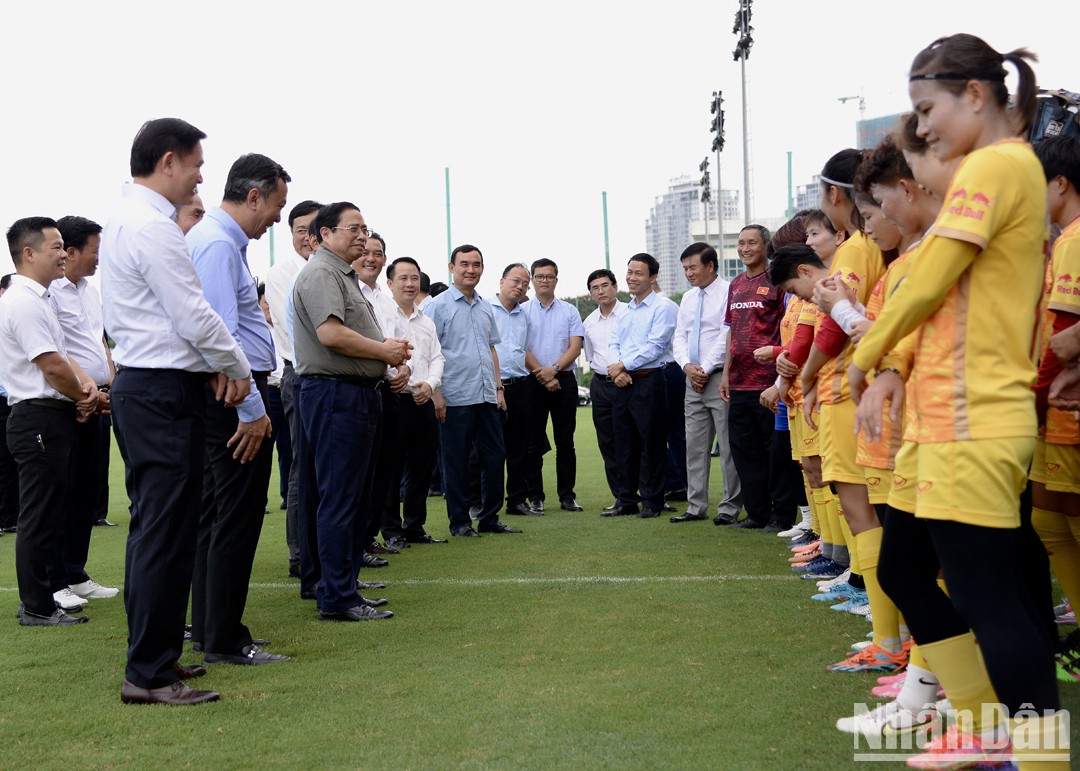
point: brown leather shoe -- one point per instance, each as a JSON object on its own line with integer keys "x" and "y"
{"x": 188, "y": 673}
{"x": 177, "y": 694}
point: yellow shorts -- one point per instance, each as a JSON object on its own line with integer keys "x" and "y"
{"x": 878, "y": 483}
{"x": 837, "y": 441}
{"x": 902, "y": 491}
{"x": 1057, "y": 466}
{"x": 804, "y": 440}
{"x": 977, "y": 482}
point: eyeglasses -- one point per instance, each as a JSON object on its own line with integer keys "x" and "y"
{"x": 545, "y": 278}
{"x": 354, "y": 229}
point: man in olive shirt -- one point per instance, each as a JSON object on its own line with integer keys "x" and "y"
{"x": 341, "y": 358}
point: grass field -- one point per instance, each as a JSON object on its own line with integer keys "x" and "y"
{"x": 583, "y": 643}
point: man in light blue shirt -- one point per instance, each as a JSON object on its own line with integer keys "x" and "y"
{"x": 470, "y": 403}
{"x": 238, "y": 454}
{"x": 639, "y": 349}
{"x": 515, "y": 363}
{"x": 555, "y": 338}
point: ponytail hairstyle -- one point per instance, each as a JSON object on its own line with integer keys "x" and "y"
{"x": 791, "y": 232}
{"x": 839, "y": 172}
{"x": 884, "y": 165}
{"x": 955, "y": 60}
{"x": 906, "y": 135}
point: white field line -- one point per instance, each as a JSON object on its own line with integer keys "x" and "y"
{"x": 537, "y": 581}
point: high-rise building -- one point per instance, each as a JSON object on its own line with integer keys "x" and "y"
{"x": 668, "y": 228}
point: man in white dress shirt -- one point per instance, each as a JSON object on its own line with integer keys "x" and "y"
{"x": 169, "y": 344}
{"x": 700, "y": 336}
{"x": 78, "y": 308}
{"x": 412, "y": 451}
{"x": 48, "y": 392}
{"x": 279, "y": 284}
{"x": 599, "y": 325}
{"x": 369, "y": 268}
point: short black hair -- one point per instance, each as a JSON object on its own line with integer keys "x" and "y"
{"x": 465, "y": 248}
{"x": 253, "y": 171}
{"x": 425, "y": 282}
{"x": 543, "y": 262}
{"x": 788, "y": 258}
{"x": 648, "y": 259}
{"x": 5, "y": 281}
{"x": 378, "y": 238}
{"x": 26, "y": 232}
{"x": 76, "y": 231}
{"x": 708, "y": 254}
{"x": 601, "y": 273}
{"x": 1060, "y": 157}
{"x": 303, "y": 209}
{"x": 160, "y": 136}
{"x": 438, "y": 288}
{"x": 330, "y": 215}
{"x": 511, "y": 266}
{"x": 409, "y": 260}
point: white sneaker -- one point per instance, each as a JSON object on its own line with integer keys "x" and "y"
{"x": 885, "y": 719}
{"x": 68, "y": 601}
{"x": 860, "y": 610}
{"x": 794, "y": 532}
{"x": 829, "y": 583}
{"x": 92, "y": 590}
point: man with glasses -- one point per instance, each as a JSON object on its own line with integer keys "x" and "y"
{"x": 598, "y": 328}
{"x": 555, "y": 337}
{"x": 278, "y": 290}
{"x": 341, "y": 358}
{"x": 515, "y": 363}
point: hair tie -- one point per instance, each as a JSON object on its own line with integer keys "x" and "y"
{"x": 991, "y": 76}
{"x": 834, "y": 183}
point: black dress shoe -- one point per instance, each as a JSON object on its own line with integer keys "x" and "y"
{"x": 307, "y": 594}
{"x": 378, "y": 548}
{"x": 723, "y": 520}
{"x": 397, "y": 543}
{"x": 57, "y": 618}
{"x": 668, "y": 508}
{"x": 499, "y": 527}
{"x": 357, "y": 613}
{"x": 177, "y": 694}
{"x": 520, "y": 510}
{"x": 103, "y": 522}
{"x": 294, "y": 571}
{"x": 188, "y": 673}
{"x": 688, "y": 517}
{"x": 465, "y": 532}
{"x": 15, "y": 528}
{"x": 378, "y": 602}
{"x": 570, "y": 504}
{"x": 675, "y": 495}
{"x": 251, "y": 655}
{"x": 425, "y": 538}
{"x": 620, "y": 511}
{"x": 747, "y": 524}
{"x": 537, "y": 505}
{"x": 371, "y": 561}
{"x": 362, "y": 585}
{"x": 773, "y": 528}
{"x": 647, "y": 513}
{"x": 610, "y": 508}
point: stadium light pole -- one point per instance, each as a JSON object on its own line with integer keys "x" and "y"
{"x": 717, "y": 110}
{"x": 743, "y": 29}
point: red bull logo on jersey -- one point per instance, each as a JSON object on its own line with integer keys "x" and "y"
{"x": 1065, "y": 277}
{"x": 961, "y": 193}
{"x": 980, "y": 199}
{"x": 853, "y": 278}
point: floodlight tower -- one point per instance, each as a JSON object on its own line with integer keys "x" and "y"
{"x": 743, "y": 29}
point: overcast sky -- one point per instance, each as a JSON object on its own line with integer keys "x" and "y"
{"x": 536, "y": 108}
